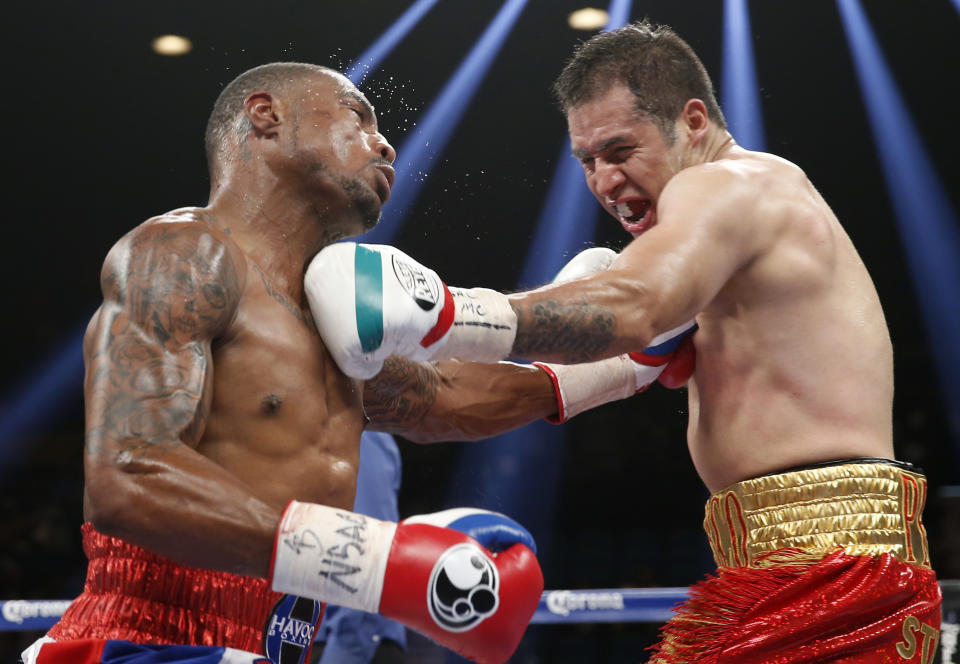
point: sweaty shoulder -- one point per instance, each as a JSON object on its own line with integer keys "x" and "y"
{"x": 180, "y": 267}
{"x": 750, "y": 196}
{"x": 743, "y": 179}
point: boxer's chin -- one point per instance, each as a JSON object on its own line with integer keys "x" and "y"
{"x": 369, "y": 213}
{"x": 365, "y": 202}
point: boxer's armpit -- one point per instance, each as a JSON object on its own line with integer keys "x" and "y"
{"x": 168, "y": 292}
{"x": 398, "y": 397}
{"x": 575, "y": 332}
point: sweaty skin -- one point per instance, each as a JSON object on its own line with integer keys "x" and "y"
{"x": 210, "y": 399}
{"x": 794, "y": 361}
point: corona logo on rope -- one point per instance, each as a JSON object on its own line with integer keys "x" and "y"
{"x": 562, "y": 602}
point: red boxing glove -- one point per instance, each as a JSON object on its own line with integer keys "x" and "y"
{"x": 681, "y": 365}
{"x": 434, "y": 579}
{"x": 477, "y": 604}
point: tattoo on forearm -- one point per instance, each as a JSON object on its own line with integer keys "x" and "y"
{"x": 148, "y": 362}
{"x": 401, "y": 394}
{"x": 576, "y": 331}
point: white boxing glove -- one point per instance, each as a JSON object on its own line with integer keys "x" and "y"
{"x": 587, "y": 262}
{"x": 580, "y": 387}
{"x": 373, "y": 301}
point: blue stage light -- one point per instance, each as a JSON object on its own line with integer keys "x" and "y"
{"x": 370, "y": 59}
{"x": 567, "y": 222}
{"x": 740, "y": 94}
{"x": 416, "y": 155}
{"x": 928, "y": 226}
{"x": 42, "y": 399}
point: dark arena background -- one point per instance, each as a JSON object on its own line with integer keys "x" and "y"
{"x": 104, "y": 132}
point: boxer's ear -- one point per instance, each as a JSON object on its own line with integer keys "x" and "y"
{"x": 264, "y": 112}
{"x": 694, "y": 120}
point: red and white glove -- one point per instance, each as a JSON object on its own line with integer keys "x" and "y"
{"x": 670, "y": 358}
{"x": 372, "y": 301}
{"x": 424, "y": 572}
{"x": 580, "y": 387}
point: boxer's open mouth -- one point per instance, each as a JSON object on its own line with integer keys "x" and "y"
{"x": 636, "y": 215}
{"x": 634, "y": 210}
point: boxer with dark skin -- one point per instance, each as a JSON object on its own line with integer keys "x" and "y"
{"x": 211, "y": 401}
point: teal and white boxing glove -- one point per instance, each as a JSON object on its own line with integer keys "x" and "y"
{"x": 373, "y": 301}
{"x": 580, "y": 387}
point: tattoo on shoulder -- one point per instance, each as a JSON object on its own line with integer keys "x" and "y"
{"x": 171, "y": 293}
{"x": 401, "y": 394}
{"x": 577, "y": 331}
{"x": 183, "y": 281}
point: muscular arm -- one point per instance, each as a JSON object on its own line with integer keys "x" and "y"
{"x": 662, "y": 279}
{"x": 169, "y": 290}
{"x": 451, "y": 400}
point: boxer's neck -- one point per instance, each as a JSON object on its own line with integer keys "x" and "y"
{"x": 278, "y": 230}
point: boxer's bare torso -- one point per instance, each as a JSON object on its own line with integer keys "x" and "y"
{"x": 213, "y": 354}
{"x": 794, "y": 362}
{"x": 212, "y": 402}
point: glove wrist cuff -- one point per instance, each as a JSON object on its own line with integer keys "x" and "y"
{"x": 484, "y": 326}
{"x": 580, "y": 387}
{"x": 331, "y": 555}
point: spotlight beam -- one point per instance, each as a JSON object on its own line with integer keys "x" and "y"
{"x": 370, "y": 59}
{"x": 41, "y": 399}
{"x": 434, "y": 129}
{"x": 741, "y": 94}
{"x": 567, "y": 222}
{"x": 928, "y": 225}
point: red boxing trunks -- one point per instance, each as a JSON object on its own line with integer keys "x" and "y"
{"x": 137, "y": 596}
{"x": 824, "y": 563}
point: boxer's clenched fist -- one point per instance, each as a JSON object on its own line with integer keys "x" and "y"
{"x": 467, "y": 578}
{"x": 373, "y": 301}
{"x": 669, "y": 359}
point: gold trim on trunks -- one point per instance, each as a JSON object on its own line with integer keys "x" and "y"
{"x": 865, "y": 508}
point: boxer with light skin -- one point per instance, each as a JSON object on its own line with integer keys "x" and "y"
{"x": 222, "y": 442}
{"x": 790, "y": 405}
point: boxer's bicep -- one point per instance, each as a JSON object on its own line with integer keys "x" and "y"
{"x": 456, "y": 401}
{"x": 168, "y": 292}
{"x": 705, "y": 232}
{"x": 705, "y": 235}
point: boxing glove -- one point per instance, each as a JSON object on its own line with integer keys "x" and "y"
{"x": 373, "y": 301}
{"x": 587, "y": 262}
{"x": 467, "y": 578}
{"x": 580, "y": 387}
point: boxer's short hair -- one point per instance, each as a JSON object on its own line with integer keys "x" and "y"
{"x": 226, "y": 117}
{"x": 658, "y": 66}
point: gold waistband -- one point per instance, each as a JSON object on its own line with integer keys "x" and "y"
{"x": 865, "y": 508}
